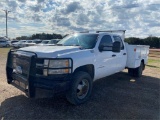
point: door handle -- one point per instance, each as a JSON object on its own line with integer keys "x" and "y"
{"x": 113, "y": 55}
{"x": 124, "y": 53}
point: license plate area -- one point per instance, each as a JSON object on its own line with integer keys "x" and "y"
{"x": 20, "y": 85}
{"x": 20, "y": 82}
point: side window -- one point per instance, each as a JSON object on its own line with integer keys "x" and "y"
{"x": 106, "y": 41}
{"x": 117, "y": 38}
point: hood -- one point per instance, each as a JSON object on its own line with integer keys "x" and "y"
{"x": 50, "y": 51}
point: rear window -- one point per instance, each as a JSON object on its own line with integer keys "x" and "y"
{"x": 53, "y": 42}
{"x": 44, "y": 42}
{"x": 117, "y": 38}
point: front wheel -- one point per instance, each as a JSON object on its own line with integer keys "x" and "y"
{"x": 80, "y": 89}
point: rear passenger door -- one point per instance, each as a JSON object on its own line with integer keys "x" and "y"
{"x": 122, "y": 55}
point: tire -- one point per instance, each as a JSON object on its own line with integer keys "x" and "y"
{"x": 131, "y": 71}
{"x": 9, "y": 81}
{"x": 80, "y": 89}
{"x": 138, "y": 71}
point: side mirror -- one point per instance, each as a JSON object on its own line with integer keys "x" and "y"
{"x": 105, "y": 48}
{"x": 101, "y": 48}
{"x": 116, "y": 46}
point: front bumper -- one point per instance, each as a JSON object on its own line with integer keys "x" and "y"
{"x": 29, "y": 80}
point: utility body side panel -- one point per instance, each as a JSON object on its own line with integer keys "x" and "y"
{"x": 135, "y": 54}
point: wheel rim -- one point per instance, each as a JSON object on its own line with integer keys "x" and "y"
{"x": 82, "y": 88}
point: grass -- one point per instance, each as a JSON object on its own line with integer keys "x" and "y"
{"x": 4, "y": 51}
{"x": 150, "y": 60}
{"x": 154, "y": 63}
{"x": 154, "y": 59}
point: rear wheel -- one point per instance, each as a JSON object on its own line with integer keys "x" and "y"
{"x": 136, "y": 72}
{"x": 131, "y": 71}
{"x": 139, "y": 70}
{"x": 80, "y": 89}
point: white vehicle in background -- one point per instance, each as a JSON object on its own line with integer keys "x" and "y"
{"x": 4, "y": 43}
{"x": 12, "y": 41}
{"x": 44, "y": 42}
{"x": 52, "y": 42}
{"x": 25, "y": 44}
{"x": 18, "y": 44}
{"x": 74, "y": 64}
{"x": 34, "y": 42}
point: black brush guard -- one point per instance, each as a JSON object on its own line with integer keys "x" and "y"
{"x": 29, "y": 77}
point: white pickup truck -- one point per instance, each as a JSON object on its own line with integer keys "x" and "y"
{"x": 74, "y": 64}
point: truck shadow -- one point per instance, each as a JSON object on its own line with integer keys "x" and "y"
{"x": 153, "y": 66}
{"x": 115, "y": 97}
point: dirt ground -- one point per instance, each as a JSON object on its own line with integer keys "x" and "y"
{"x": 118, "y": 96}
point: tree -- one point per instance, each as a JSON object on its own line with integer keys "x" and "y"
{"x": 153, "y": 42}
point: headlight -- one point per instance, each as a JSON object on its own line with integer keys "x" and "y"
{"x": 61, "y": 66}
{"x": 59, "y": 63}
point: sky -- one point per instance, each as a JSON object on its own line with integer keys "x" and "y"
{"x": 140, "y": 18}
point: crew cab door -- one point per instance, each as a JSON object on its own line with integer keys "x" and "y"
{"x": 105, "y": 62}
{"x": 122, "y": 55}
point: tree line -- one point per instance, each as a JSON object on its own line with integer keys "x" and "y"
{"x": 153, "y": 42}
{"x": 42, "y": 36}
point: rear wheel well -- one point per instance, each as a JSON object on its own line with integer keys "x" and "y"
{"x": 142, "y": 61}
{"x": 86, "y": 68}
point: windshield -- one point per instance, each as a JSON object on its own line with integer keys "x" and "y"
{"x": 52, "y": 41}
{"x": 28, "y": 41}
{"x": 36, "y": 42}
{"x": 86, "y": 41}
{"x": 44, "y": 42}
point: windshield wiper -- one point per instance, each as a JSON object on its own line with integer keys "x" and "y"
{"x": 80, "y": 47}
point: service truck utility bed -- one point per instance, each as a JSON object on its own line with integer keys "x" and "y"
{"x": 72, "y": 65}
{"x": 135, "y": 53}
